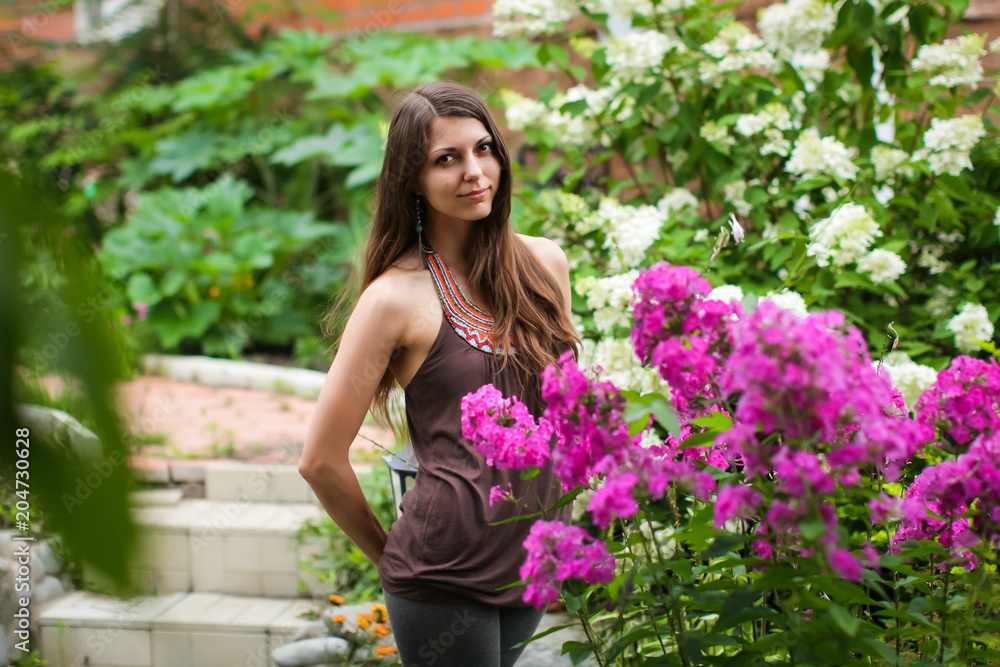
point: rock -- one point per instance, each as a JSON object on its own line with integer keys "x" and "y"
{"x": 63, "y": 428}
{"x": 309, "y": 652}
{"x": 50, "y": 589}
{"x": 52, "y": 561}
{"x": 309, "y": 631}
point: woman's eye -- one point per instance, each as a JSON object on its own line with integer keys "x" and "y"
{"x": 488, "y": 144}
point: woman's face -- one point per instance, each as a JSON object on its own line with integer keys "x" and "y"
{"x": 460, "y": 160}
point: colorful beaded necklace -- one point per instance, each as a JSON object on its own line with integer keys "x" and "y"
{"x": 469, "y": 321}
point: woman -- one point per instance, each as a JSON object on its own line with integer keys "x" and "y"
{"x": 451, "y": 299}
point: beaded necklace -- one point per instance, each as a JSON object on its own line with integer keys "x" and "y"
{"x": 469, "y": 321}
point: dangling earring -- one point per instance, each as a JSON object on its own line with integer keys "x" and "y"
{"x": 420, "y": 227}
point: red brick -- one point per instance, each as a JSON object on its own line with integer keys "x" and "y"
{"x": 414, "y": 15}
{"x": 474, "y": 7}
{"x": 444, "y": 10}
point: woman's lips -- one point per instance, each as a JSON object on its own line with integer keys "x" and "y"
{"x": 476, "y": 194}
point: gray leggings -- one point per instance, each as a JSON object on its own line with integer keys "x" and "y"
{"x": 431, "y": 634}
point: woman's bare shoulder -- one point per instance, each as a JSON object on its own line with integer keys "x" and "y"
{"x": 547, "y": 251}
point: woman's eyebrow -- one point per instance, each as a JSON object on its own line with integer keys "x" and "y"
{"x": 452, "y": 148}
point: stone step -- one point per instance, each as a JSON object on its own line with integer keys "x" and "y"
{"x": 239, "y": 547}
{"x": 177, "y": 630}
{"x": 264, "y": 483}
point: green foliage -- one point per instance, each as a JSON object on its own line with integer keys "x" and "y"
{"x": 228, "y": 196}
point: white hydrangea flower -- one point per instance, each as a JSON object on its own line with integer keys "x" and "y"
{"x": 971, "y": 324}
{"x": 737, "y": 48}
{"x": 610, "y": 298}
{"x": 773, "y": 115}
{"x": 803, "y": 206}
{"x": 678, "y": 200}
{"x": 811, "y": 66}
{"x": 883, "y": 265}
{"x": 995, "y": 45}
{"x": 890, "y": 162}
{"x": 616, "y": 356}
{"x": 813, "y": 156}
{"x": 573, "y": 205}
{"x": 954, "y": 62}
{"x": 515, "y": 18}
{"x": 907, "y": 376}
{"x": 883, "y": 195}
{"x": 727, "y": 293}
{"x": 939, "y": 304}
{"x": 930, "y": 259}
{"x": 521, "y": 111}
{"x": 629, "y": 231}
{"x": 733, "y": 194}
{"x": 947, "y": 143}
{"x": 996, "y": 218}
{"x": 714, "y": 133}
{"x": 700, "y": 236}
{"x": 843, "y": 237}
{"x": 796, "y": 24}
{"x": 621, "y": 9}
{"x": 638, "y": 55}
{"x": 788, "y": 300}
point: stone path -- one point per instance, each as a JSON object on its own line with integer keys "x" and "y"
{"x": 196, "y": 421}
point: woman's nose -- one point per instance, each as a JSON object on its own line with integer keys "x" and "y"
{"x": 473, "y": 171}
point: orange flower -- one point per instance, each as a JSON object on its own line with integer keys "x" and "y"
{"x": 383, "y": 613}
{"x": 336, "y": 599}
{"x": 379, "y": 630}
{"x": 214, "y": 291}
{"x": 340, "y": 618}
{"x": 365, "y": 619}
{"x": 385, "y": 651}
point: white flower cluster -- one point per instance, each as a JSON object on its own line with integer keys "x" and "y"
{"x": 883, "y": 265}
{"x": 811, "y": 66}
{"x": 939, "y": 303}
{"x": 577, "y": 129}
{"x": 789, "y": 300}
{"x": 727, "y": 293}
{"x": 889, "y": 163}
{"x": 610, "y": 298}
{"x": 908, "y": 377}
{"x": 954, "y": 62}
{"x": 971, "y": 324}
{"x": 618, "y": 361}
{"x": 733, "y": 194}
{"x": 628, "y": 231}
{"x": 716, "y": 134}
{"x": 797, "y": 25}
{"x": 529, "y": 18}
{"x": 638, "y": 55}
{"x": 677, "y": 201}
{"x": 813, "y": 156}
{"x": 772, "y": 121}
{"x": 947, "y": 143}
{"x": 996, "y": 218}
{"x": 735, "y": 48}
{"x": 930, "y": 259}
{"x": 844, "y": 236}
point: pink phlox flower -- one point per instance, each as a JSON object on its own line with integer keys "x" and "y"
{"x": 557, "y": 552}
{"x": 735, "y": 501}
{"x": 498, "y": 494}
{"x": 503, "y": 430}
{"x": 847, "y": 565}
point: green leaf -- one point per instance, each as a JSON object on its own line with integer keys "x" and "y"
{"x": 142, "y": 289}
{"x": 843, "y": 618}
{"x": 664, "y": 413}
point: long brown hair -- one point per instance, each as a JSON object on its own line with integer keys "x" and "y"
{"x": 525, "y": 298}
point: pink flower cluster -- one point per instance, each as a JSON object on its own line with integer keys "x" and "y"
{"x": 953, "y": 490}
{"x": 557, "y": 552}
{"x": 679, "y": 331}
{"x": 503, "y": 430}
{"x": 587, "y": 418}
{"x": 964, "y": 401}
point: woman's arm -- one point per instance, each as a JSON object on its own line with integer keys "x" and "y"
{"x": 373, "y": 331}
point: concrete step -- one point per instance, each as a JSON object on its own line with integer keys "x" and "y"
{"x": 177, "y": 630}
{"x": 237, "y": 547}
{"x": 261, "y": 483}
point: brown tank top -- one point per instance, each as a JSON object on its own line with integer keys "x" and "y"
{"x": 442, "y": 548}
